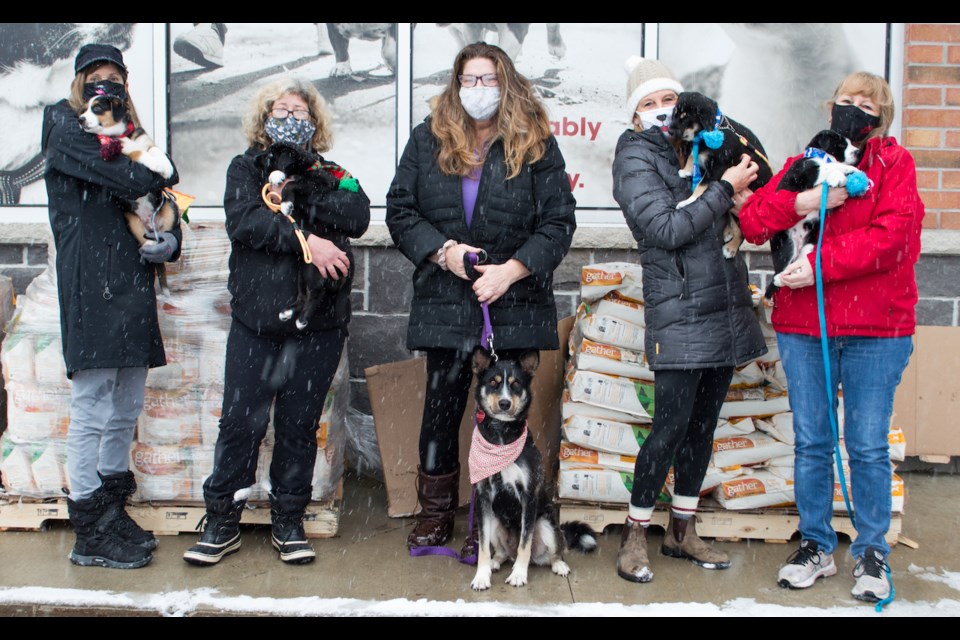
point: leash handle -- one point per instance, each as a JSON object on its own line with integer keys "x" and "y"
{"x": 486, "y": 335}
{"x": 470, "y": 558}
{"x": 274, "y": 205}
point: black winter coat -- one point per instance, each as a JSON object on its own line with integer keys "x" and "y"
{"x": 108, "y": 307}
{"x": 699, "y": 309}
{"x": 529, "y": 217}
{"x": 266, "y": 256}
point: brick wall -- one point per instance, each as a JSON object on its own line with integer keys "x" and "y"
{"x": 931, "y": 117}
{"x": 22, "y": 263}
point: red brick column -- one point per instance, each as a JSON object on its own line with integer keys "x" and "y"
{"x": 931, "y": 117}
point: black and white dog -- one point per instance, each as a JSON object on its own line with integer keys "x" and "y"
{"x": 517, "y": 519}
{"x": 307, "y": 184}
{"x": 830, "y": 158}
{"x": 510, "y": 36}
{"x": 722, "y": 141}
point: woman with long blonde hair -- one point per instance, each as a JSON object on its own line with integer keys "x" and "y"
{"x": 482, "y": 175}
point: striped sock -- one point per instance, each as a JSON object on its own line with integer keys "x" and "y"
{"x": 684, "y": 507}
{"x": 640, "y": 515}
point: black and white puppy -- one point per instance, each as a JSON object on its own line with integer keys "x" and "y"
{"x": 829, "y": 157}
{"x": 517, "y": 519}
{"x": 108, "y": 117}
{"x": 695, "y": 113}
{"x": 340, "y": 34}
{"x": 307, "y": 184}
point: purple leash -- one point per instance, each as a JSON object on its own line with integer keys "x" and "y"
{"x": 486, "y": 340}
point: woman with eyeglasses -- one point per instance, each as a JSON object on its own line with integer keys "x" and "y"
{"x": 269, "y": 361}
{"x": 482, "y": 175}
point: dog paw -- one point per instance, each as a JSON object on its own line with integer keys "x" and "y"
{"x": 276, "y": 177}
{"x": 301, "y": 324}
{"x": 777, "y": 280}
{"x": 558, "y": 51}
{"x": 517, "y": 578}
{"x": 341, "y": 70}
{"x": 286, "y": 315}
{"x": 837, "y": 175}
{"x": 494, "y": 565}
{"x": 683, "y": 173}
{"x": 683, "y": 203}
{"x": 729, "y": 253}
{"x": 481, "y": 582}
{"x": 560, "y": 568}
{"x": 286, "y": 208}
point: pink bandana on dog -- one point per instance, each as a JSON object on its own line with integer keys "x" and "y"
{"x": 487, "y": 459}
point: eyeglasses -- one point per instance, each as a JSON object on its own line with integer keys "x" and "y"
{"x": 487, "y": 80}
{"x": 299, "y": 114}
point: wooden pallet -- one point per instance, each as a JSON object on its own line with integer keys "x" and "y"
{"x": 771, "y": 525}
{"x": 322, "y": 519}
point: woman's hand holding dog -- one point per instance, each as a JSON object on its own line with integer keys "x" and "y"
{"x": 327, "y": 257}
{"x": 739, "y": 199}
{"x": 741, "y": 175}
{"x": 809, "y": 201}
{"x": 497, "y": 278}
{"x": 798, "y": 274}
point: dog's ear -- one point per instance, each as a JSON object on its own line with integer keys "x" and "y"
{"x": 529, "y": 361}
{"x": 481, "y": 360}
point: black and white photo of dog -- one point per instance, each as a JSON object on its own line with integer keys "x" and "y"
{"x": 340, "y": 34}
{"x": 830, "y": 158}
{"x": 510, "y": 36}
{"x": 304, "y": 184}
{"x": 694, "y": 114}
{"x": 36, "y": 68}
{"x": 107, "y": 116}
{"x": 517, "y": 519}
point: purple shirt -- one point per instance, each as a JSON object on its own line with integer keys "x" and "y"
{"x": 469, "y": 186}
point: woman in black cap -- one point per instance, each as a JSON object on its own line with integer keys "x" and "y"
{"x": 108, "y": 311}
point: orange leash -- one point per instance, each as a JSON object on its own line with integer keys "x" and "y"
{"x": 272, "y": 200}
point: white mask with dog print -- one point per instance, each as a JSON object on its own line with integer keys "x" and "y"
{"x": 480, "y": 103}
{"x": 656, "y": 118}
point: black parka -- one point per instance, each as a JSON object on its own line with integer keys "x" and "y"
{"x": 108, "y": 308}
{"x": 529, "y": 217}
{"x": 699, "y": 310}
{"x": 266, "y": 257}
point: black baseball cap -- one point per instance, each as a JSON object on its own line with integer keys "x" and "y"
{"x": 90, "y": 53}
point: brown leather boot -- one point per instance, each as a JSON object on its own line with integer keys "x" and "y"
{"x": 438, "y": 499}
{"x": 681, "y": 541}
{"x": 633, "y": 563}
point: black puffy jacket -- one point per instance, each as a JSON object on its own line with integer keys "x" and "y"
{"x": 265, "y": 258}
{"x": 699, "y": 310}
{"x": 108, "y": 307}
{"x": 529, "y": 217}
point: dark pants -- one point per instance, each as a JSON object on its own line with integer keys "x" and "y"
{"x": 295, "y": 373}
{"x": 686, "y": 408}
{"x": 449, "y": 374}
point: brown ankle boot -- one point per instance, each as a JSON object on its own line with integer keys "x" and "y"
{"x": 632, "y": 561}
{"x": 437, "y": 496}
{"x": 681, "y": 541}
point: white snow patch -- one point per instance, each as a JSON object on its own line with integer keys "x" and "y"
{"x": 949, "y": 578}
{"x": 180, "y": 603}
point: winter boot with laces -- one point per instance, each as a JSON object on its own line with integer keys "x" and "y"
{"x": 805, "y": 565}
{"x": 97, "y": 544}
{"x": 116, "y": 488}
{"x": 288, "y": 536}
{"x": 873, "y": 577}
{"x": 220, "y": 537}
{"x": 633, "y": 563}
{"x": 681, "y": 541}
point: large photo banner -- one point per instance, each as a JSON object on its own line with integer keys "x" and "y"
{"x": 216, "y": 68}
{"x": 36, "y": 69}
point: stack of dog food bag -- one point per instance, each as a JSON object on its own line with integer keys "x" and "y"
{"x": 608, "y": 404}
{"x": 176, "y": 432}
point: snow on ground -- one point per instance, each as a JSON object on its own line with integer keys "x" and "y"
{"x": 181, "y": 603}
{"x": 949, "y": 578}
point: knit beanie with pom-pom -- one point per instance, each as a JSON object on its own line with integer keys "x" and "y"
{"x": 646, "y": 76}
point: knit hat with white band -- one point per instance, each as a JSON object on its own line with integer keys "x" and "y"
{"x": 646, "y": 76}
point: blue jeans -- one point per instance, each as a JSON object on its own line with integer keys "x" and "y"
{"x": 869, "y": 370}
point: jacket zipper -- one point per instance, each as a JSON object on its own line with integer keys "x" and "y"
{"x": 106, "y": 282}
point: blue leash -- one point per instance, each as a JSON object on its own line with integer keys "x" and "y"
{"x": 829, "y": 377}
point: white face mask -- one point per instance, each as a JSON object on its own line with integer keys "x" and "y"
{"x": 659, "y": 118}
{"x": 480, "y": 102}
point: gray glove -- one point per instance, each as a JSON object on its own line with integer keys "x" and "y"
{"x": 162, "y": 249}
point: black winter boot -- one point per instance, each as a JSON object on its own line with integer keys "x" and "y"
{"x": 116, "y": 488}
{"x": 438, "y": 497}
{"x": 288, "y": 536}
{"x": 98, "y": 544}
{"x": 220, "y": 537}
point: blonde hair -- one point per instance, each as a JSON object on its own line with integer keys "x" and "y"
{"x": 522, "y": 122}
{"x": 76, "y": 90}
{"x": 258, "y": 111}
{"x": 870, "y": 86}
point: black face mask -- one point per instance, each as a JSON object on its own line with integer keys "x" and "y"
{"x": 852, "y": 121}
{"x": 104, "y": 88}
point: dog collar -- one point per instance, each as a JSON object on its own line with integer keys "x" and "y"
{"x": 487, "y": 459}
{"x": 813, "y": 152}
{"x": 110, "y": 147}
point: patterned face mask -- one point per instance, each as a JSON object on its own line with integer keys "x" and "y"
{"x": 480, "y": 103}
{"x": 659, "y": 118}
{"x": 104, "y": 88}
{"x": 289, "y": 129}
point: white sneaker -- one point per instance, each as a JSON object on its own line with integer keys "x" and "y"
{"x": 201, "y": 45}
{"x": 872, "y": 574}
{"x": 806, "y": 565}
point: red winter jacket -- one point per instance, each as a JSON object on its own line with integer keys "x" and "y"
{"x": 870, "y": 246}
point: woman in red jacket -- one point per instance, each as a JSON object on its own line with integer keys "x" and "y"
{"x": 870, "y": 245}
